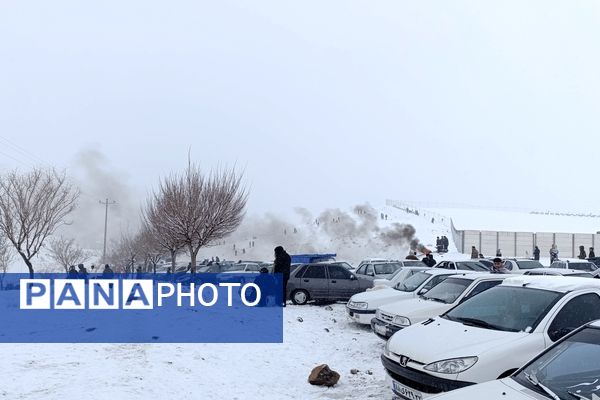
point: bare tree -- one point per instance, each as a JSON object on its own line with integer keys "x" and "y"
{"x": 6, "y": 257}
{"x": 32, "y": 206}
{"x": 125, "y": 253}
{"x": 66, "y": 252}
{"x": 199, "y": 209}
{"x": 150, "y": 248}
{"x": 156, "y": 225}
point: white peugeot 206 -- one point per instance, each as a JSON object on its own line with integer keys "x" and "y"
{"x": 489, "y": 336}
{"x": 390, "y": 318}
{"x": 569, "y": 369}
{"x": 362, "y": 306}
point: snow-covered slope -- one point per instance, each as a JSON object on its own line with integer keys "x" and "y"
{"x": 354, "y": 234}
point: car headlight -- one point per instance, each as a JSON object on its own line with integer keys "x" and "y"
{"x": 358, "y": 305}
{"x": 402, "y": 321}
{"x": 386, "y": 350}
{"x": 452, "y": 366}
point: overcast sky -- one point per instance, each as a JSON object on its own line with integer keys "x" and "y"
{"x": 321, "y": 102}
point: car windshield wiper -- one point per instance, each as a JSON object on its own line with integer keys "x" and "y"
{"x": 483, "y": 324}
{"x": 435, "y": 299}
{"x": 580, "y": 397}
{"x": 535, "y": 382}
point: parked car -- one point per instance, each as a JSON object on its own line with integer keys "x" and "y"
{"x": 324, "y": 282}
{"x": 382, "y": 270}
{"x": 390, "y": 318}
{"x": 400, "y": 275}
{"x": 463, "y": 266}
{"x": 489, "y": 336}
{"x": 568, "y": 369}
{"x": 362, "y": 306}
{"x": 520, "y": 265}
{"x": 558, "y": 272}
{"x": 243, "y": 268}
{"x": 582, "y": 265}
{"x": 344, "y": 264}
{"x": 373, "y": 260}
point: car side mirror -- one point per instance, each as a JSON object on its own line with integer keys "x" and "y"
{"x": 423, "y": 291}
{"x": 559, "y": 333}
{"x": 352, "y": 277}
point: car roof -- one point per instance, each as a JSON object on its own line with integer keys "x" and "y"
{"x": 561, "y": 284}
{"x": 473, "y": 276}
{"x": 562, "y": 271}
{"x": 425, "y": 268}
{"x": 442, "y": 271}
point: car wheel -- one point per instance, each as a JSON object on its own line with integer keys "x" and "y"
{"x": 300, "y": 297}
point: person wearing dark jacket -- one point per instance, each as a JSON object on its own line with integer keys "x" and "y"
{"x": 536, "y": 253}
{"x": 282, "y": 266}
{"x": 72, "y": 274}
{"x": 582, "y": 255}
{"x": 592, "y": 254}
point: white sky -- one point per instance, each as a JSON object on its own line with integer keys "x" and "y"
{"x": 488, "y": 103}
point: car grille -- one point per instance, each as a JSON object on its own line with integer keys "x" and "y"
{"x": 386, "y": 317}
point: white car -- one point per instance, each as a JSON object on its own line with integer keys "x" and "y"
{"x": 569, "y": 369}
{"x": 520, "y": 265}
{"x": 392, "y": 280}
{"x": 580, "y": 265}
{"x": 399, "y": 276}
{"x": 558, "y": 272}
{"x": 490, "y": 335}
{"x": 471, "y": 265}
{"x": 390, "y": 318}
{"x": 362, "y": 306}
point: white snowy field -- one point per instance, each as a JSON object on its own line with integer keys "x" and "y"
{"x": 204, "y": 371}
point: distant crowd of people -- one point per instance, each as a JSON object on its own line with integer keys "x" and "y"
{"x": 475, "y": 254}
{"x": 441, "y": 244}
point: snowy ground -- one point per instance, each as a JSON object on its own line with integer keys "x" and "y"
{"x": 204, "y": 371}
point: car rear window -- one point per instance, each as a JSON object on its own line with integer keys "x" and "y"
{"x": 526, "y": 264}
{"x": 583, "y": 266}
{"x": 471, "y": 266}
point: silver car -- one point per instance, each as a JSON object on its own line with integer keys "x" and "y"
{"x": 324, "y": 282}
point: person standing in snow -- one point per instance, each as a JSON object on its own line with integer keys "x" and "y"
{"x": 592, "y": 254}
{"x": 474, "y": 253}
{"x": 553, "y": 253}
{"x": 282, "y": 265}
{"x": 536, "y": 253}
{"x": 582, "y": 255}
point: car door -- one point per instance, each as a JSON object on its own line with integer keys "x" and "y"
{"x": 315, "y": 281}
{"x": 342, "y": 283}
{"x": 576, "y": 312}
{"x": 369, "y": 272}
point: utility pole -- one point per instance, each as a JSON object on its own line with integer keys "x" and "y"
{"x": 106, "y": 204}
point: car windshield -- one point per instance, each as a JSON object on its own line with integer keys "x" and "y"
{"x": 253, "y": 267}
{"x": 471, "y": 266}
{"x": 448, "y": 291}
{"x": 412, "y": 283}
{"x": 570, "y": 369}
{"x": 583, "y": 266}
{"x": 400, "y": 274}
{"x": 505, "y": 308}
{"x": 386, "y": 269}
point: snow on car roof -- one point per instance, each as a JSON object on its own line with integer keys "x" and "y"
{"x": 595, "y": 324}
{"x": 440, "y": 271}
{"x": 555, "y": 283}
{"x": 561, "y": 271}
{"x": 477, "y": 275}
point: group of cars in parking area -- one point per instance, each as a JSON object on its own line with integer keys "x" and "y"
{"x": 458, "y": 331}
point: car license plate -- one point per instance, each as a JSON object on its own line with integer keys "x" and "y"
{"x": 406, "y": 392}
{"x": 382, "y": 330}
